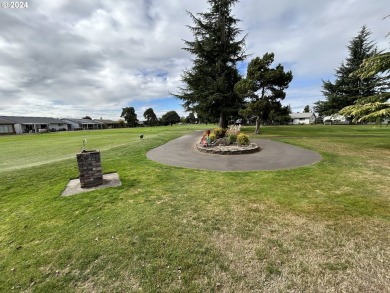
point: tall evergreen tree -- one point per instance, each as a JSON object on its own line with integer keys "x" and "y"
{"x": 209, "y": 84}
{"x": 263, "y": 88}
{"x": 376, "y": 107}
{"x": 347, "y": 88}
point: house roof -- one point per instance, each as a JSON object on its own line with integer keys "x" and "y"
{"x": 82, "y": 121}
{"x": 5, "y": 121}
{"x": 32, "y": 120}
{"x": 301, "y": 115}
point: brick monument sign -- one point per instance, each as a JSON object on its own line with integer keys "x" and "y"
{"x": 90, "y": 169}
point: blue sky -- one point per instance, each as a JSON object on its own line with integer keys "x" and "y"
{"x": 93, "y": 57}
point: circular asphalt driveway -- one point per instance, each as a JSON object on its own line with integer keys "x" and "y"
{"x": 182, "y": 152}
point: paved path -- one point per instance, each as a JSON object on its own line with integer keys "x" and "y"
{"x": 182, "y": 152}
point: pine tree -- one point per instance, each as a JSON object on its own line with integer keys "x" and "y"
{"x": 348, "y": 88}
{"x": 375, "y": 107}
{"x": 209, "y": 84}
{"x": 263, "y": 89}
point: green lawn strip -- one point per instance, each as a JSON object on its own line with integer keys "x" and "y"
{"x": 171, "y": 229}
{"x": 52, "y": 147}
{"x": 352, "y": 174}
{"x": 332, "y": 131}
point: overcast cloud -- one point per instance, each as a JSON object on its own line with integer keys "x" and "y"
{"x": 75, "y": 58}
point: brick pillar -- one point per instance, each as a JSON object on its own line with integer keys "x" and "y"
{"x": 90, "y": 169}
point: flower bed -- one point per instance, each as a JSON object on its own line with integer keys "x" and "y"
{"x": 226, "y": 142}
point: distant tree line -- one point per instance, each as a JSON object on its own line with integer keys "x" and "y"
{"x": 169, "y": 118}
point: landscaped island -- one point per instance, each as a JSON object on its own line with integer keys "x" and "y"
{"x": 229, "y": 141}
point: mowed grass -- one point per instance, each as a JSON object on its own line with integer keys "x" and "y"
{"x": 320, "y": 228}
{"x": 28, "y": 150}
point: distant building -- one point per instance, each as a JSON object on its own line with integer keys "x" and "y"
{"x": 6, "y": 126}
{"x": 302, "y": 118}
{"x": 82, "y": 124}
{"x": 33, "y": 124}
{"x": 336, "y": 119}
{"x": 108, "y": 123}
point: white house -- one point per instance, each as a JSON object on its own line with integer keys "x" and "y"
{"x": 35, "y": 124}
{"x": 302, "y": 118}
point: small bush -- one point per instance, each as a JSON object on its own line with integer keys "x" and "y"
{"x": 243, "y": 139}
{"x": 219, "y": 132}
{"x": 212, "y": 136}
{"x": 232, "y": 138}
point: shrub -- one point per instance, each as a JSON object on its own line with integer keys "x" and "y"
{"x": 219, "y": 132}
{"x": 232, "y": 138}
{"x": 232, "y": 133}
{"x": 243, "y": 139}
{"x": 212, "y": 136}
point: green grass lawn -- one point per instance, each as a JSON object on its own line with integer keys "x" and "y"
{"x": 320, "y": 228}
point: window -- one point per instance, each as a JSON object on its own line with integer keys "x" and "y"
{"x": 6, "y": 129}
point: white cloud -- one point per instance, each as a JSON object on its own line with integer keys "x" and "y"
{"x": 62, "y": 58}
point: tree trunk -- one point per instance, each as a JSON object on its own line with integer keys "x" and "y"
{"x": 222, "y": 120}
{"x": 257, "y": 131}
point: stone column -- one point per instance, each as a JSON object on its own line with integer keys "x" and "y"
{"x": 90, "y": 169}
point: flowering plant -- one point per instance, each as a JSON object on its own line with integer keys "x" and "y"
{"x": 232, "y": 133}
{"x": 219, "y": 132}
{"x": 233, "y": 129}
{"x": 243, "y": 139}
